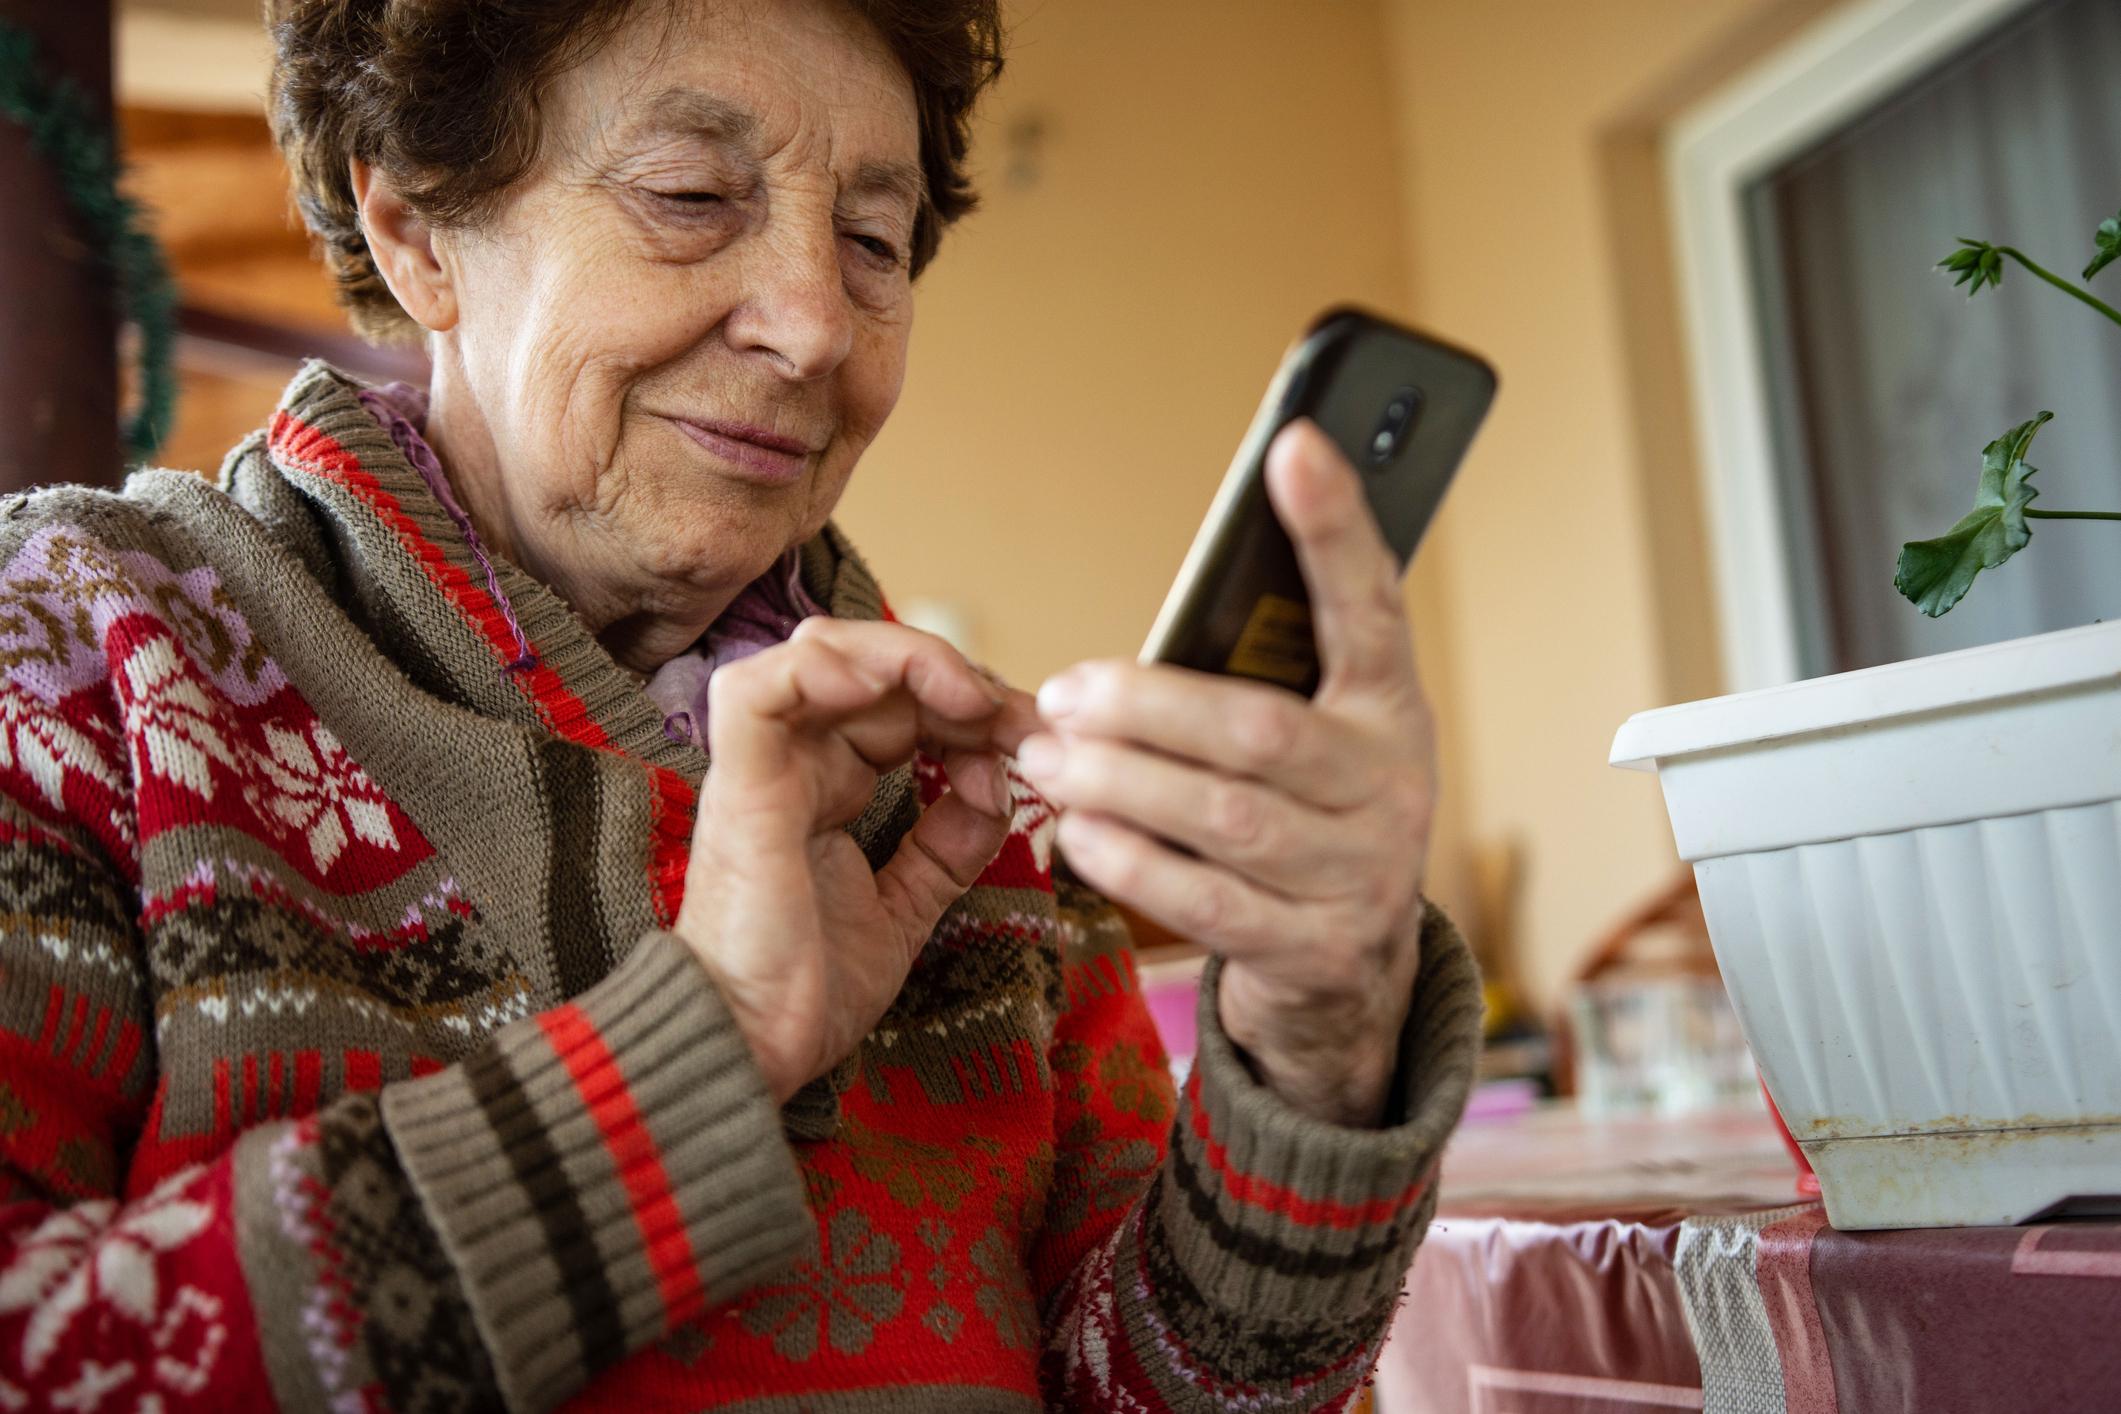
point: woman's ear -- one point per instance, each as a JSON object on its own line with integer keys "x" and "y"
{"x": 402, "y": 245}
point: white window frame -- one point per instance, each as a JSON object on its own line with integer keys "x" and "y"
{"x": 1828, "y": 74}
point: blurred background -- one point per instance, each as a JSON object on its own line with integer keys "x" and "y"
{"x": 1694, "y": 236}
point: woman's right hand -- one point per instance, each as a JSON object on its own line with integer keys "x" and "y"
{"x": 808, "y": 946}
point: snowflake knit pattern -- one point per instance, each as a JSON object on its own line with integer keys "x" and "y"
{"x": 346, "y": 1063}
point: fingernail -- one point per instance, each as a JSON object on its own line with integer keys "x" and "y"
{"x": 1059, "y": 695}
{"x": 1004, "y": 794}
{"x": 1041, "y": 754}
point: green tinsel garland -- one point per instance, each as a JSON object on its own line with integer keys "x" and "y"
{"x": 63, "y": 130}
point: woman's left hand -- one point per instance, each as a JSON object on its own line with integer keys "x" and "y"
{"x": 1309, "y": 821}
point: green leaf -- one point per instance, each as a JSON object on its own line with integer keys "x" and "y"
{"x": 2109, "y": 238}
{"x": 1935, "y": 574}
{"x": 1976, "y": 263}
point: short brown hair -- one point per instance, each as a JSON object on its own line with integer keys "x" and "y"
{"x": 442, "y": 97}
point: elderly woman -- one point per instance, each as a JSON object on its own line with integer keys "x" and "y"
{"x": 400, "y": 1013}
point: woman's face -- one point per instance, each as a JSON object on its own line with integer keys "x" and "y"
{"x": 679, "y": 332}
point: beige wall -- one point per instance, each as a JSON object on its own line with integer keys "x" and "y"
{"x": 1208, "y": 175}
{"x": 1090, "y": 346}
{"x": 1573, "y": 592}
{"x": 1172, "y": 189}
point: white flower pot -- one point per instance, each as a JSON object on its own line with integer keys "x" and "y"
{"x": 1912, "y": 877}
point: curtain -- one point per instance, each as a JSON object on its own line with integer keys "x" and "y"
{"x": 1888, "y": 380}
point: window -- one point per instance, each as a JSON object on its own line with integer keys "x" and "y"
{"x": 1840, "y": 404}
{"x": 1883, "y": 382}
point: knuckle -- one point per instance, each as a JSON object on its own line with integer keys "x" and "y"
{"x": 1123, "y": 871}
{"x": 1376, "y": 641}
{"x": 920, "y": 640}
{"x": 731, "y": 683}
{"x": 1384, "y": 595}
{"x": 1265, "y": 733}
{"x": 1096, "y": 687}
{"x": 1379, "y": 893}
{"x": 848, "y": 795}
{"x": 815, "y": 661}
{"x": 1099, "y": 852}
{"x": 1086, "y": 772}
{"x": 1339, "y": 969}
{"x": 1236, "y": 815}
{"x": 1378, "y": 900}
{"x": 930, "y": 659}
{"x": 948, "y": 877}
{"x": 927, "y": 648}
{"x": 1353, "y": 973}
{"x": 1205, "y": 911}
{"x": 1408, "y": 804}
{"x": 1402, "y": 693}
{"x": 1334, "y": 972}
{"x": 1340, "y": 875}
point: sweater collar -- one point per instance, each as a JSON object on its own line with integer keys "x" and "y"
{"x": 451, "y": 614}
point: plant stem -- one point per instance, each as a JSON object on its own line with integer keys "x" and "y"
{"x": 2063, "y": 285}
{"x": 2073, "y": 515}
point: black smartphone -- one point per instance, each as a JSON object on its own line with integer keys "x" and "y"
{"x": 1403, "y": 407}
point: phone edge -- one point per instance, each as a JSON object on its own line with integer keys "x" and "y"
{"x": 1251, "y": 451}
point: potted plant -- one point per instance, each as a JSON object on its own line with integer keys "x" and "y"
{"x": 1935, "y": 574}
{"x": 1912, "y": 879}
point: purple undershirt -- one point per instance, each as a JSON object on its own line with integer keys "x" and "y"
{"x": 763, "y": 614}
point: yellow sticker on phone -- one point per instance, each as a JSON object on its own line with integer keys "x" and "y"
{"x": 1276, "y": 645}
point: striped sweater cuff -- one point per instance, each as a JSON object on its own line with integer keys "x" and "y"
{"x": 1273, "y": 1214}
{"x": 603, "y": 1170}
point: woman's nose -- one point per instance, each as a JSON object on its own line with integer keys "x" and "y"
{"x": 794, "y": 307}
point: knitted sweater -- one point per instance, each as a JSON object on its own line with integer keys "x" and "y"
{"x": 345, "y": 1062}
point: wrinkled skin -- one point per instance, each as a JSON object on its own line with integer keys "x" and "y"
{"x": 1308, "y": 822}
{"x": 657, "y": 363}
{"x": 706, "y": 236}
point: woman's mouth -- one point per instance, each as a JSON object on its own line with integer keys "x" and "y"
{"x": 761, "y": 455}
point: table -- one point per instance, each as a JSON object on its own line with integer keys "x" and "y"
{"x": 1653, "y": 1264}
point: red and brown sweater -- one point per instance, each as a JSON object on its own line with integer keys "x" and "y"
{"x": 345, "y": 1063}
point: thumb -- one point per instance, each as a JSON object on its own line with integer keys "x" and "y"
{"x": 935, "y": 863}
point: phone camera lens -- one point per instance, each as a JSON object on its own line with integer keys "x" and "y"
{"x": 1392, "y": 428}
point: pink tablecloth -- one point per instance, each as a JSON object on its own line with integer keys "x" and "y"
{"x": 1546, "y": 1285}
{"x": 1944, "y": 1321}
{"x": 1580, "y": 1268}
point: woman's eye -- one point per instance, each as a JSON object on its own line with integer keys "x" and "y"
{"x": 878, "y": 247}
{"x": 691, "y": 198}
